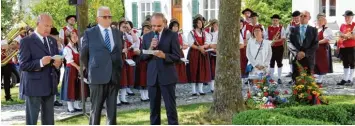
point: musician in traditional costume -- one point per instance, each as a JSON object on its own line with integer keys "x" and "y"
{"x": 180, "y": 67}
{"x": 198, "y": 68}
{"x": 296, "y": 18}
{"x": 134, "y": 45}
{"x": 8, "y": 68}
{"x": 71, "y": 20}
{"x": 71, "y": 86}
{"x": 346, "y": 44}
{"x": 245, "y": 36}
{"x": 247, "y": 12}
{"x": 127, "y": 72}
{"x": 276, "y": 34}
{"x": 141, "y": 67}
{"x": 259, "y": 52}
{"x": 213, "y": 45}
{"x": 255, "y": 23}
{"x": 324, "y": 63}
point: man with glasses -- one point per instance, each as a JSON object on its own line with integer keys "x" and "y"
{"x": 303, "y": 44}
{"x": 162, "y": 77}
{"x": 101, "y": 56}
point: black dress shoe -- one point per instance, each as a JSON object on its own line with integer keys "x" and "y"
{"x": 290, "y": 83}
{"x": 10, "y": 100}
{"x": 348, "y": 82}
{"x": 194, "y": 94}
{"x": 212, "y": 91}
{"x": 130, "y": 94}
{"x": 289, "y": 75}
{"x": 56, "y": 103}
{"x": 279, "y": 81}
{"x": 78, "y": 110}
{"x": 342, "y": 82}
{"x": 72, "y": 111}
{"x": 119, "y": 104}
{"x": 202, "y": 93}
{"x": 125, "y": 103}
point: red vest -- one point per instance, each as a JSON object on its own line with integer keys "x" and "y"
{"x": 244, "y": 33}
{"x": 65, "y": 34}
{"x": 180, "y": 40}
{"x": 320, "y": 34}
{"x": 200, "y": 40}
{"x": 250, "y": 27}
{"x": 271, "y": 31}
{"x": 294, "y": 23}
{"x": 346, "y": 28}
{"x": 3, "y": 55}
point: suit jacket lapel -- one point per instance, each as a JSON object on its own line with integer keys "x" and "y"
{"x": 39, "y": 43}
{"x": 306, "y": 35}
{"x": 162, "y": 37}
{"x": 298, "y": 36}
{"x": 100, "y": 36}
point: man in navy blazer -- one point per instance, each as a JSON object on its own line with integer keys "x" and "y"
{"x": 162, "y": 76}
{"x": 39, "y": 76}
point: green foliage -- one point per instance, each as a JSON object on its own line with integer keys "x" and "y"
{"x": 59, "y": 9}
{"x": 267, "y": 8}
{"x": 9, "y": 16}
{"x": 331, "y": 114}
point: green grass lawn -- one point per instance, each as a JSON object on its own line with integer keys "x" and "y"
{"x": 15, "y": 96}
{"x": 188, "y": 114}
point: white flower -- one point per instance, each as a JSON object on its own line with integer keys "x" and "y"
{"x": 265, "y": 99}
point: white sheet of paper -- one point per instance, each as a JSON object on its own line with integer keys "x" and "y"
{"x": 130, "y": 62}
{"x": 208, "y": 50}
{"x": 151, "y": 52}
{"x": 57, "y": 57}
{"x": 184, "y": 60}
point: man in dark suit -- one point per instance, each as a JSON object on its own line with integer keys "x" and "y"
{"x": 162, "y": 76}
{"x": 101, "y": 55}
{"x": 303, "y": 44}
{"x": 39, "y": 76}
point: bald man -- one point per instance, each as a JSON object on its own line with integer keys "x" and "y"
{"x": 303, "y": 44}
{"x": 39, "y": 72}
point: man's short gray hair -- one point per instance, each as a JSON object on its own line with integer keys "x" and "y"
{"x": 40, "y": 17}
{"x": 101, "y": 9}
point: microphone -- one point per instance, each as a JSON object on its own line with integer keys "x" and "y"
{"x": 156, "y": 37}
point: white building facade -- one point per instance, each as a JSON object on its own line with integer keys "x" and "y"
{"x": 334, "y": 9}
{"x": 183, "y": 10}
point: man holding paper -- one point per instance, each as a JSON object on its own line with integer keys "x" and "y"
{"x": 161, "y": 50}
{"x": 39, "y": 63}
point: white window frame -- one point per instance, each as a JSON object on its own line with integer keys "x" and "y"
{"x": 208, "y": 9}
{"x": 140, "y": 11}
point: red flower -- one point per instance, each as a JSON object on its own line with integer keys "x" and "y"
{"x": 286, "y": 92}
{"x": 271, "y": 81}
{"x": 277, "y": 93}
{"x": 309, "y": 91}
{"x": 249, "y": 95}
{"x": 294, "y": 92}
{"x": 305, "y": 68}
{"x": 259, "y": 86}
{"x": 309, "y": 97}
{"x": 266, "y": 94}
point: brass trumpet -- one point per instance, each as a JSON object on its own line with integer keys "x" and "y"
{"x": 11, "y": 52}
{"x": 276, "y": 36}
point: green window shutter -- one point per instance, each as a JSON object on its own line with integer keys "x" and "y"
{"x": 195, "y": 7}
{"x": 135, "y": 14}
{"x": 156, "y": 6}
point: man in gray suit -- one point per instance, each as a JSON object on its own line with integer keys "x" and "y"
{"x": 101, "y": 55}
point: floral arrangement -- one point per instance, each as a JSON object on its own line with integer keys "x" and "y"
{"x": 266, "y": 93}
{"x": 305, "y": 90}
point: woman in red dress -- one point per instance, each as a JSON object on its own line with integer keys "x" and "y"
{"x": 180, "y": 67}
{"x": 141, "y": 68}
{"x": 323, "y": 55}
{"x": 132, "y": 45}
{"x": 245, "y": 34}
{"x": 198, "y": 68}
{"x": 71, "y": 91}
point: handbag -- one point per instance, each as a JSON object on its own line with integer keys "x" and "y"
{"x": 250, "y": 67}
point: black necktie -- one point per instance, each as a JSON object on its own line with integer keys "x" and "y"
{"x": 46, "y": 44}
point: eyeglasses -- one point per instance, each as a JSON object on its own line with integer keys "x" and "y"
{"x": 157, "y": 25}
{"x": 303, "y": 15}
{"x": 106, "y": 17}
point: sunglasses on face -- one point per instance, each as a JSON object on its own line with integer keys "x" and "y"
{"x": 106, "y": 17}
{"x": 157, "y": 26}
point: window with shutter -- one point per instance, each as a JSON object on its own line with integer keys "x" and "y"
{"x": 156, "y": 6}
{"x": 195, "y": 7}
{"x": 135, "y": 14}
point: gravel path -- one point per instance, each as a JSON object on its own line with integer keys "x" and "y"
{"x": 15, "y": 114}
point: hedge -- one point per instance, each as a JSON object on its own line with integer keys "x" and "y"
{"x": 343, "y": 114}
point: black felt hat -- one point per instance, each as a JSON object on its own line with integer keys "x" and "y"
{"x": 275, "y": 16}
{"x": 247, "y": 9}
{"x": 348, "y": 13}
{"x": 54, "y": 31}
{"x": 296, "y": 13}
{"x": 254, "y": 14}
{"x": 70, "y": 16}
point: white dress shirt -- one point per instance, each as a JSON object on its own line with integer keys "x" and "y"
{"x": 67, "y": 53}
{"x": 41, "y": 38}
{"x": 103, "y": 33}
{"x": 191, "y": 37}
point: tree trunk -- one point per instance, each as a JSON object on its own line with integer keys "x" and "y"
{"x": 83, "y": 17}
{"x": 228, "y": 99}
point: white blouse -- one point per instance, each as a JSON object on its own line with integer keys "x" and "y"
{"x": 67, "y": 53}
{"x": 191, "y": 37}
{"x": 265, "y": 53}
{"x": 327, "y": 34}
{"x": 214, "y": 37}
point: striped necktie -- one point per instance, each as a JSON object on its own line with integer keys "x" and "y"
{"x": 107, "y": 40}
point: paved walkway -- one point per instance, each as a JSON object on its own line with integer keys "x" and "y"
{"x": 15, "y": 114}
